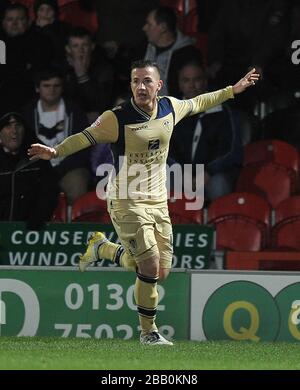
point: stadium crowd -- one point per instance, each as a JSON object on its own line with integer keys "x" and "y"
{"x": 68, "y": 61}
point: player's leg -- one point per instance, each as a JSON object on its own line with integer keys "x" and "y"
{"x": 145, "y": 290}
{"x": 135, "y": 229}
{"x": 146, "y": 297}
{"x": 136, "y": 232}
{"x": 152, "y": 267}
{"x": 164, "y": 239}
{"x": 99, "y": 247}
{"x": 147, "y": 257}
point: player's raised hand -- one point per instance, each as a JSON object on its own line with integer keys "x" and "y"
{"x": 247, "y": 81}
{"x": 43, "y": 152}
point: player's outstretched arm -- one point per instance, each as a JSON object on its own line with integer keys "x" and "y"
{"x": 43, "y": 152}
{"x": 72, "y": 144}
{"x": 247, "y": 81}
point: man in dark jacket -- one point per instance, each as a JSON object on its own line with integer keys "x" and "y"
{"x": 211, "y": 138}
{"x": 88, "y": 75}
{"x": 53, "y": 118}
{"x": 28, "y": 190}
{"x": 168, "y": 47}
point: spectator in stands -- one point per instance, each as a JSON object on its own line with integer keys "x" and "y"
{"x": 211, "y": 138}
{"x": 28, "y": 189}
{"x": 47, "y": 23}
{"x": 247, "y": 34}
{"x": 53, "y": 118}
{"x": 26, "y": 52}
{"x": 120, "y": 25}
{"x": 121, "y": 21}
{"x": 168, "y": 47}
{"x": 89, "y": 77}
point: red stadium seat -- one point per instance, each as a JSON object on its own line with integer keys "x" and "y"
{"x": 286, "y": 236}
{"x": 241, "y": 221}
{"x": 187, "y": 21}
{"x": 178, "y": 7}
{"x": 289, "y": 209}
{"x": 60, "y": 213}
{"x": 284, "y": 251}
{"x": 180, "y": 214}
{"x": 278, "y": 152}
{"x": 286, "y": 231}
{"x": 89, "y": 208}
{"x": 190, "y": 26}
{"x": 72, "y": 13}
{"x": 186, "y": 11}
{"x": 273, "y": 150}
{"x": 263, "y": 260}
{"x": 268, "y": 180}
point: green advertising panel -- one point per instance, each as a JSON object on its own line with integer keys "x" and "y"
{"x": 241, "y": 310}
{"x": 245, "y": 306}
{"x": 60, "y": 244}
{"x": 99, "y": 304}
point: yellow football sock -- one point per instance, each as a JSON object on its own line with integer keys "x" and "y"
{"x": 117, "y": 254}
{"x": 108, "y": 250}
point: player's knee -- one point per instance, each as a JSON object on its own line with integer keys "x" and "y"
{"x": 149, "y": 266}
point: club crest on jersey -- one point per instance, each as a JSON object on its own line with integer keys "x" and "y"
{"x": 153, "y": 144}
{"x": 167, "y": 125}
{"x": 97, "y": 122}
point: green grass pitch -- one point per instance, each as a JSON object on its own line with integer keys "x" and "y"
{"x": 111, "y": 354}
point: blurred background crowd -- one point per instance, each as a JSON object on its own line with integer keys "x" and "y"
{"x": 68, "y": 61}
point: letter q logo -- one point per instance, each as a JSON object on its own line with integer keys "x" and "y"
{"x": 30, "y": 302}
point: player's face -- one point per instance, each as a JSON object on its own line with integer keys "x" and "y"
{"x": 145, "y": 84}
{"x": 11, "y": 136}
{"x": 192, "y": 81}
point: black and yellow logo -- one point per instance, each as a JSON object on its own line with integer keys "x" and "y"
{"x": 153, "y": 144}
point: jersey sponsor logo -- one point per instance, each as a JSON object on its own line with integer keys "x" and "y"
{"x": 153, "y": 144}
{"x": 139, "y": 128}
